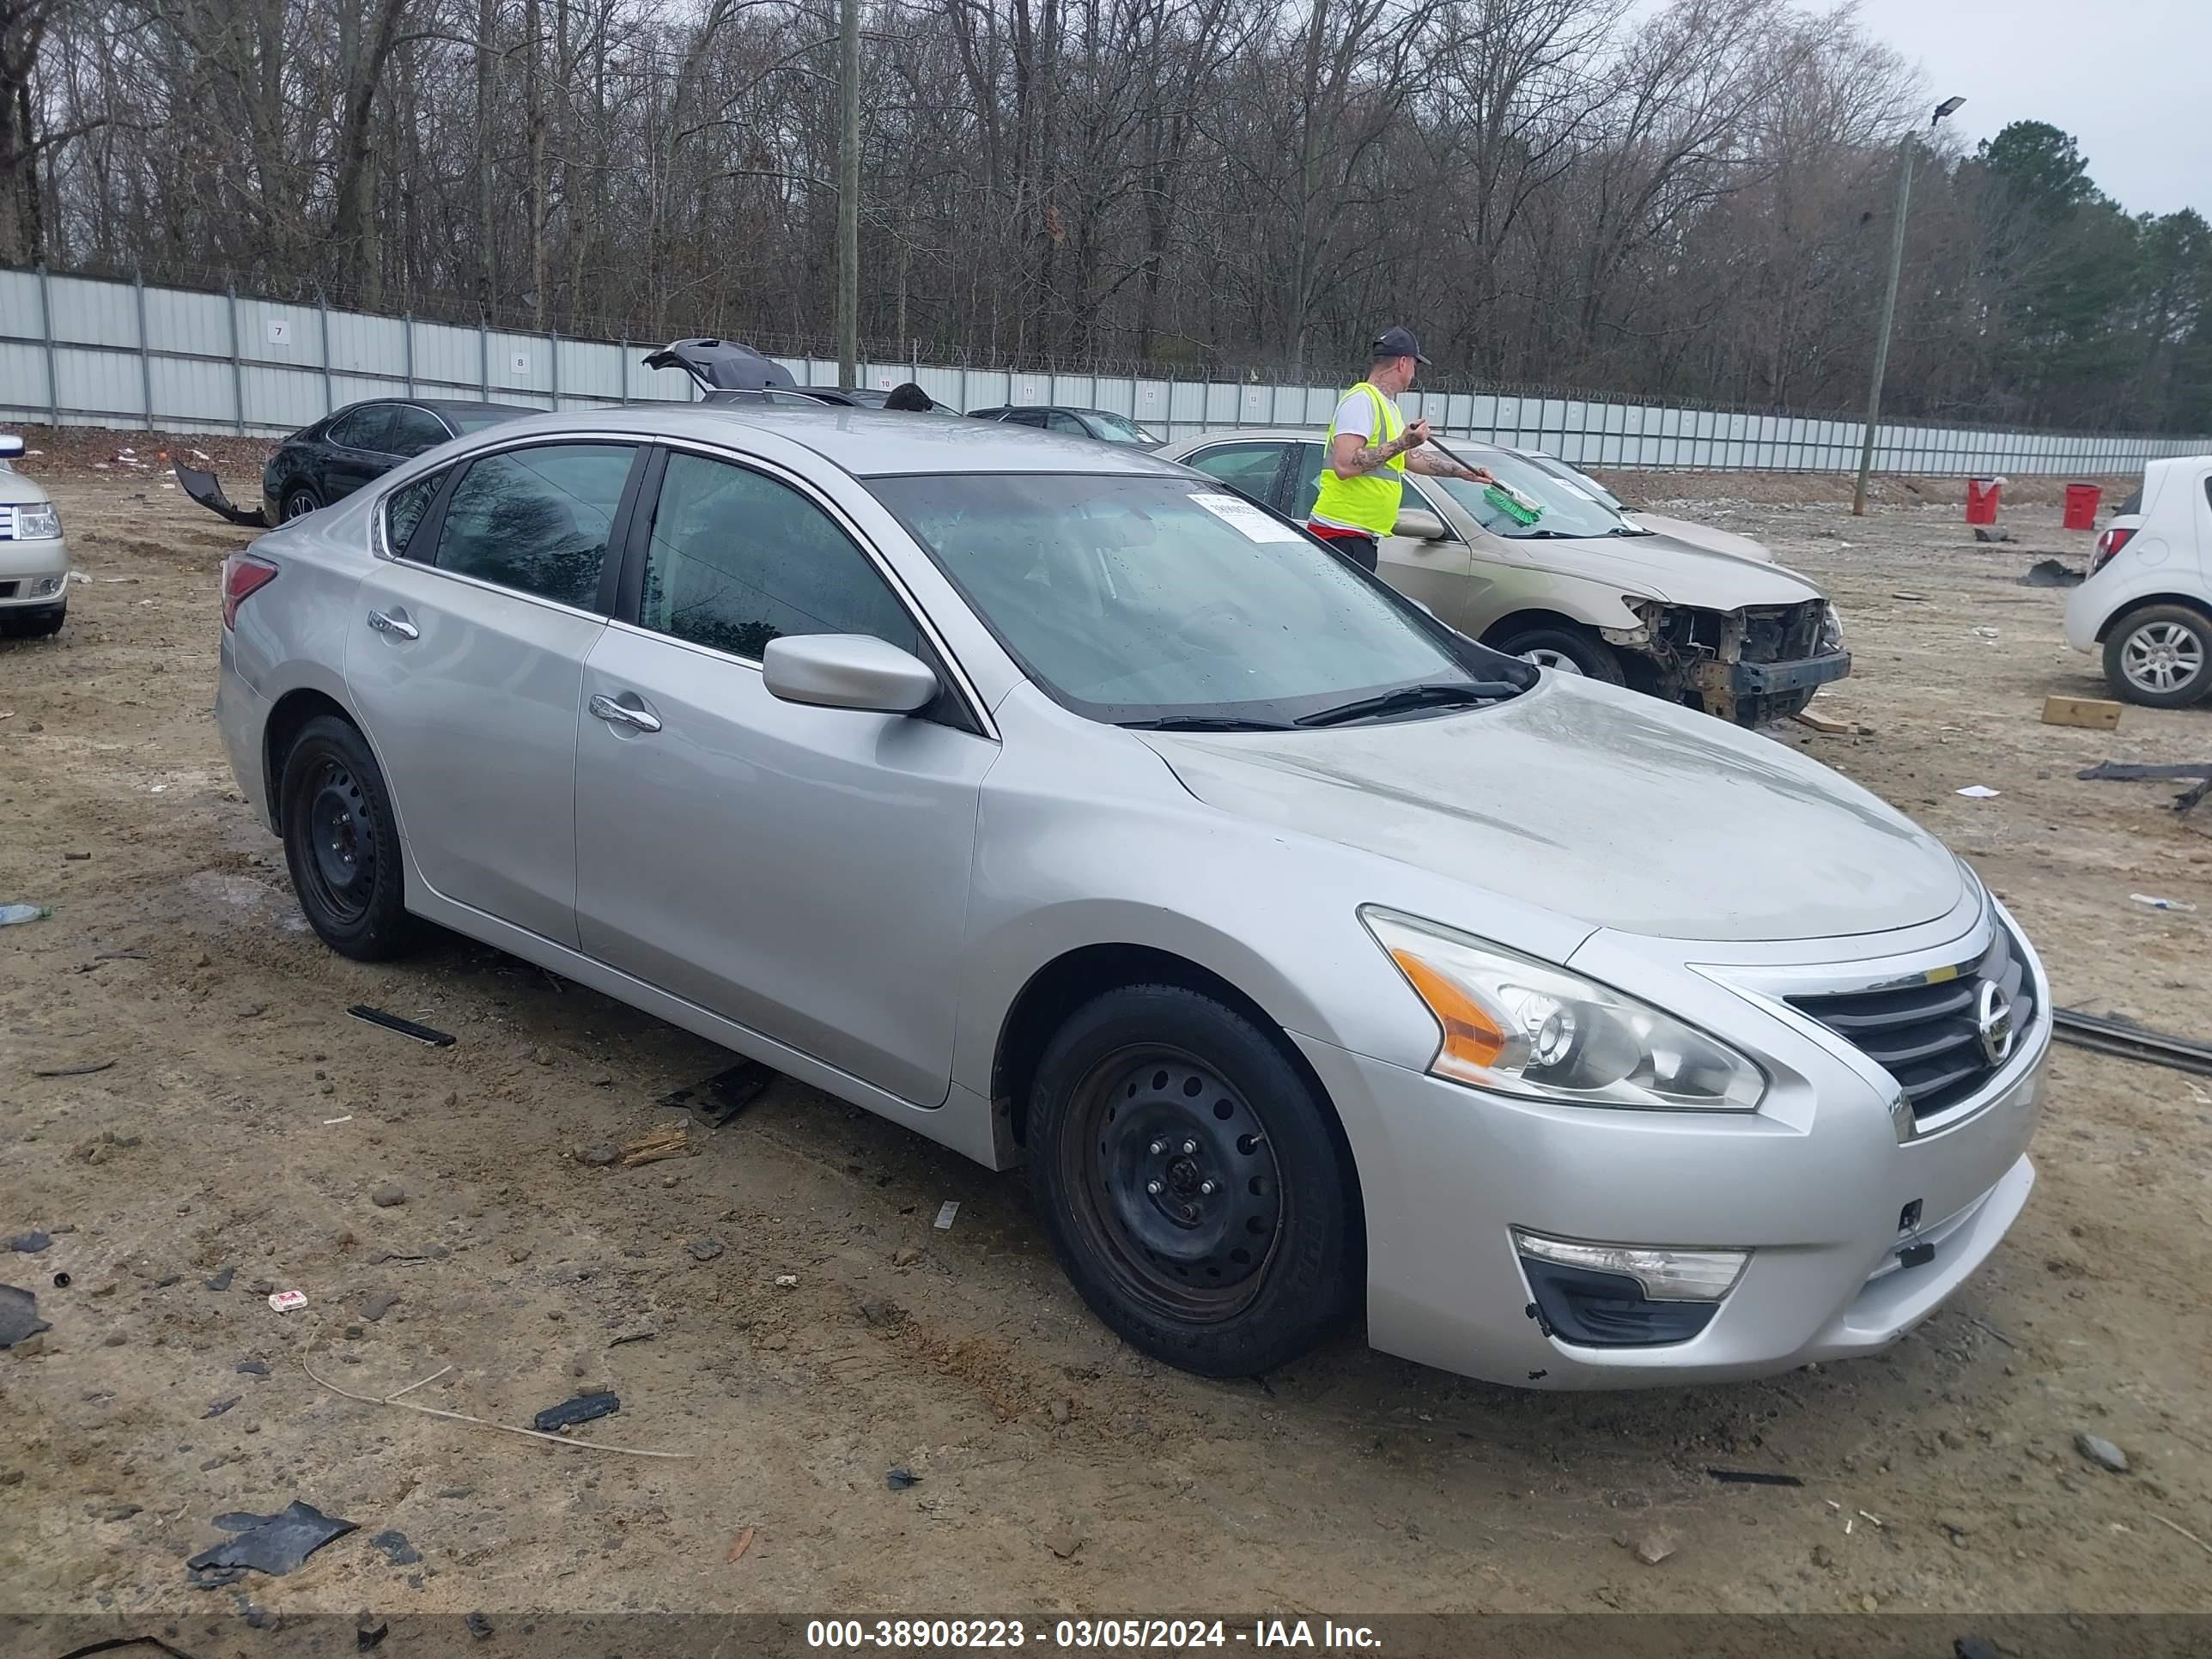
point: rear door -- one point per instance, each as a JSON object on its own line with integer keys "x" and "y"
{"x": 1252, "y": 467}
{"x": 801, "y": 871}
{"x": 466, "y": 662}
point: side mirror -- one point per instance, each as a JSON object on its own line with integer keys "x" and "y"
{"x": 11, "y": 445}
{"x": 846, "y": 671}
{"x": 1420, "y": 525}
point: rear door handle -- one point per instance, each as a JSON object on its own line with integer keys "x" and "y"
{"x": 397, "y": 626}
{"x": 633, "y": 714}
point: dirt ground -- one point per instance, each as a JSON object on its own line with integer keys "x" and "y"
{"x": 243, "y": 1123}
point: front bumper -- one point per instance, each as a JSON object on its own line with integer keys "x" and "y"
{"x": 1816, "y": 1185}
{"x": 33, "y": 572}
{"x": 1750, "y": 679}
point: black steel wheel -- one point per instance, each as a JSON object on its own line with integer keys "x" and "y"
{"x": 342, "y": 843}
{"x": 1196, "y": 1189}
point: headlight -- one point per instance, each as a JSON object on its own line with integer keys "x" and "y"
{"x": 1831, "y": 631}
{"x": 37, "y": 521}
{"x": 1523, "y": 1027}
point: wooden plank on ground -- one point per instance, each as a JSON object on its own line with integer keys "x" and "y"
{"x": 2093, "y": 711}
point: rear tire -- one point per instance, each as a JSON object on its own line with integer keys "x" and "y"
{"x": 342, "y": 844}
{"x": 2159, "y": 656}
{"x": 1567, "y": 650}
{"x": 299, "y": 499}
{"x": 1231, "y": 1258}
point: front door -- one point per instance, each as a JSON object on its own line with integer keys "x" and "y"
{"x": 1433, "y": 572}
{"x": 466, "y": 659}
{"x": 801, "y": 871}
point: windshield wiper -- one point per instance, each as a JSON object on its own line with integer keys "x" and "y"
{"x": 1202, "y": 723}
{"x": 1413, "y": 696}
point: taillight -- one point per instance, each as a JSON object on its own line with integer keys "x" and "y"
{"x": 242, "y": 576}
{"x": 2109, "y": 543}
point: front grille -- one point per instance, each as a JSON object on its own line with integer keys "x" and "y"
{"x": 1926, "y": 1036}
{"x": 6, "y": 590}
{"x": 7, "y": 524}
{"x": 1783, "y": 632}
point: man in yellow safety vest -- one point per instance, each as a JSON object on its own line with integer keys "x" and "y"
{"x": 1371, "y": 449}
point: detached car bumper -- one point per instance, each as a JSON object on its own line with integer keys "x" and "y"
{"x": 1852, "y": 1238}
{"x": 33, "y": 572}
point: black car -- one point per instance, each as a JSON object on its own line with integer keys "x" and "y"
{"x": 328, "y": 461}
{"x": 1101, "y": 423}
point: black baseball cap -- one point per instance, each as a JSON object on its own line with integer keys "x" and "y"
{"x": 1398, "y": 343}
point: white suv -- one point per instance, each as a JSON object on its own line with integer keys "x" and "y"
{"x": 2148, "y": 603}
{"x": 33, "y": 558}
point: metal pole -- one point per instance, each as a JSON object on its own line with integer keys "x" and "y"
{"x": 145, "y": 349}
{"x": 623, "y": 349}
{"x": 553, "y": 363}
{"x": 483, "y": 356}
{"x": 46, "y": 328}
{"x": 848, "y": 193}
{"x": 408, "y": 326}
{"x": 237, "y": 367}
{"x": 1888, "y": 316}
{"x": 329, "y": 395}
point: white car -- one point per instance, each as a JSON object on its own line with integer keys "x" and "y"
{"x": 33, "y": 558}
{"x": 2147, "y": 603}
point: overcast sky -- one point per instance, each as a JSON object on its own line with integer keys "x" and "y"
{"x": 2130, "y": 79}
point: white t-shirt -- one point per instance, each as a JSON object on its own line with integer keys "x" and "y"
{"x": 1356, "y": 414}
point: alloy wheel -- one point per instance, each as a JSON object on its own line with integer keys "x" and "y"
{"x": 2162, "y": 657}
{"x": 1545, "y": 657}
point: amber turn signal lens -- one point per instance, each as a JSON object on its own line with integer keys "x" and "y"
{"x": 1470, "y": 1034}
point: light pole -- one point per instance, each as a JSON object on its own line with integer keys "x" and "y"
{"x": 1889, "y": 303}
{"x": 848, "y": 193}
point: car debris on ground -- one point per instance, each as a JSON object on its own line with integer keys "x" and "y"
{"x": 583, "y": 1409}
{"x": 718, "y": 1099}
{"x": 436, "y": 1039}
{"x": 19, "y": 1316}
{"x": 2130, "y": 772}
{"x": 671, "y": 1140}
{"x": 275, "y": 1544}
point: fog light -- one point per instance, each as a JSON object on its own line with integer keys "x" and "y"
{"x": 1623, "y": 1295}
{"x": 47, "y": 585}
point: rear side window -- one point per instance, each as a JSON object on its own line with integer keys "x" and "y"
{"x": 1248, "y": 469}
{"x": 737, "y": 559}
{"x": 403, "y": 512}
{"x": 368, "y": 427}
{"x": 414, "y": 430}
{"x": 538, "y": 521}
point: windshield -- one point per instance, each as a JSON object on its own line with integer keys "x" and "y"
{"x": 1159, "y": 599}
{"x": 1119, "y": 428}
{"x": 1581, "y": 480}
{"x": 1568, "y": 509}
{"x": 465, "y": 421}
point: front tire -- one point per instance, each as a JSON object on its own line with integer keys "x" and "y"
{"x": 342, "y": 843}
{"x": 1192, "y": 1182}
{"x": 1566, "y": 650}
{"x": 2159, "y": 656}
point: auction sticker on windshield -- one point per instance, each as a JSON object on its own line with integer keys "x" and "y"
{"x": 1239, "y": 513}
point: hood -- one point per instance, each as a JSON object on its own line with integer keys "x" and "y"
{"x": 1597, "y": 804}
{"x": 1667, "y": 567}
{"x": 1711, "y": 538}
{"x": 16, "y": 490}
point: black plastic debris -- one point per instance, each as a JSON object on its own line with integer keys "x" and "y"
{"x": 19, "y": 1316}
{"x": 221, "y": 1280}
{"x": 86, "y": 1069}
{"x": 273, "y": 1544}
{"x": 1753, "y": 1478}
{"x": 720, "y": 1097}
{"x": 900, "y": 1480}
{"x": 2050, "y": 573}
{"x": 582, "y": 1409}
{"x": 1974, "y": 1647}
{"x": 436, "y": 1038}
{"x": 479, "y": 1626}
{"x": 221, "y": 1405}
{"x": 396, "y": 1550}
{"x": 30, "y": 1244}
{"x": 368, "y": 1632}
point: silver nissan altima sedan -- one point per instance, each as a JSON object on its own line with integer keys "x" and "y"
{"x": 1048, "y": 799}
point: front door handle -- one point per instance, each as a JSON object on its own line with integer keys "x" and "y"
{"x": 397, "y": 626}
{"x": 632, "y": 714}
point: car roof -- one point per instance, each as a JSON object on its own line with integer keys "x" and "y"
{"x": 868, "y": 443}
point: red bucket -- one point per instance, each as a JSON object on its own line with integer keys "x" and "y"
{"x": 2082, "y": 501}
{"x": 1982, "y": 500}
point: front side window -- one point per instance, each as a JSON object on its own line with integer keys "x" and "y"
{"x": 1145, "y": 599}
{"x": 737, "y": 559}
{"x": 404, "y": 510}
{"x": 368, "y": 427}
{"x": 537, "y": 520}
{"x": 414, "y": 430}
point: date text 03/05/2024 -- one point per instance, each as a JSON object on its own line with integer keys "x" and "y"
{"x": 1170, "y": 1635}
